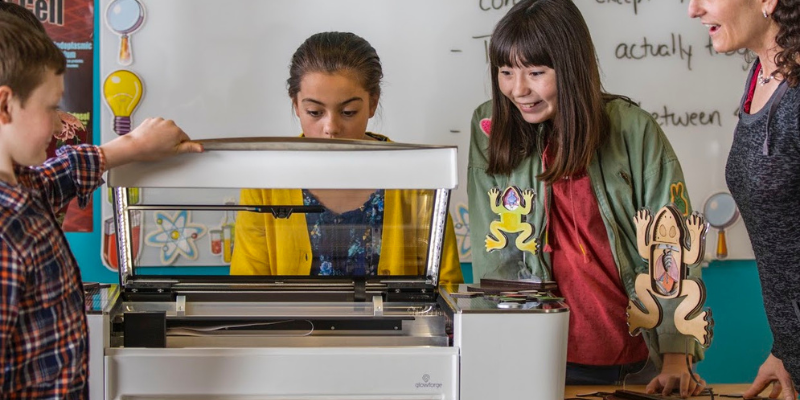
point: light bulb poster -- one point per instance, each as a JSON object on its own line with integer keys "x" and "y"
{"x": 70, "y": 23}
{"x": 122, "y": 92}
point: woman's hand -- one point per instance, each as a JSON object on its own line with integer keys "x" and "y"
{"x": 772, "y": 371}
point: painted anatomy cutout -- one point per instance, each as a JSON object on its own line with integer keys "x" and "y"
{"x": 662, "y": 242}
{"x": 512, "y": 206}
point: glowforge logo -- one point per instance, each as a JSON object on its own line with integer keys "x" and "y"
{"x": 427, "y": 384}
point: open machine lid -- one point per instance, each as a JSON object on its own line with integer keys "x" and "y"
{"x": 299, "y": 162}
{"x": 283, "y": 215}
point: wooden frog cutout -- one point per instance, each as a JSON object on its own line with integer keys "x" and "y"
{"x": 513, "y": 205}
{"x": 662, "y": 242}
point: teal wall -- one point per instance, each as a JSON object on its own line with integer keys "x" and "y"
{"x": 742, "y": 339}
{"x": 86, "y": 246}
{"x": 741, "y": 336}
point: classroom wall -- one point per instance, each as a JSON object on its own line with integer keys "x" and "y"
{"x": 655, "y": 42}
{"x": 742, "y": 339}
{"x": 734, "y": 291}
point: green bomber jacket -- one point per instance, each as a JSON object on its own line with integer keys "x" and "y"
{"x": 635, "y": 168}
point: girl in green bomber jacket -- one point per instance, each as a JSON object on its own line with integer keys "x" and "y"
{"x": 592, "y": 161}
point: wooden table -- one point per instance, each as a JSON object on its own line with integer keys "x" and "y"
{"x": 572, "y": 391}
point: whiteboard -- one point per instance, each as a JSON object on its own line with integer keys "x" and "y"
{"x": 219, "y": 69}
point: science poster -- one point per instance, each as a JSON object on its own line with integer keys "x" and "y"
{"x": 70, "y": 23}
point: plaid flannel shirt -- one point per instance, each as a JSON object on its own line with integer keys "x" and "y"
{"x": 44, "y": 352}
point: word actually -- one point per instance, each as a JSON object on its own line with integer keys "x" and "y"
{"x": 638, "y": 51}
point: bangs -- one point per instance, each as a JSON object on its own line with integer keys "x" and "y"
{"x": 520, "y": 43}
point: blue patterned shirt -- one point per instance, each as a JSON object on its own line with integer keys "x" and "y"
{"x": 347, "y": 244}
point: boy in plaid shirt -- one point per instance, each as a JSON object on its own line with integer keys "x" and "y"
{"x": 43, "y": 335}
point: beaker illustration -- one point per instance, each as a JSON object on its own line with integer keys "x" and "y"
{"x": 110, "y": 251}
{"x": 110, "y": 245}
{"x": 215, "y": 236}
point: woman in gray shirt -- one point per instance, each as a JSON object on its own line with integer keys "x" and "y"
{"x": 763, "y": 170}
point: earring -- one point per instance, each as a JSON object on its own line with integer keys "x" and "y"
{"x": 765, "y": 14}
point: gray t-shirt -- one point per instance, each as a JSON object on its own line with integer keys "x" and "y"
{"x": 763, "y": 175}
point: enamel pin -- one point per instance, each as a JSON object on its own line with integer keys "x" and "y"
{"x": 512, "y": 206}
{"x": 662, "y": 242}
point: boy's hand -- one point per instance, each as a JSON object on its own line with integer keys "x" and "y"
{"x": 152, "y": 140}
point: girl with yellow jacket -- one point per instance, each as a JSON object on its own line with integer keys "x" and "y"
{"x": 334, "y": 85}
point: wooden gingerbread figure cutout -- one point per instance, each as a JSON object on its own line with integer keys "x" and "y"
{"x": 662, "y": 242}
{"x": 512, "y": 206}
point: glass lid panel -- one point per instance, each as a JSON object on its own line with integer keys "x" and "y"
{"x": 276, "y": 232}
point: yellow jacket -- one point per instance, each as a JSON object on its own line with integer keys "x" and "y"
{"x": 265, "y": 245}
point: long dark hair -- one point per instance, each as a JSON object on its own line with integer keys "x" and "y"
{"x": 787, "y": 15}
{"x": 332, "y": 52}
{"x": 548, "y": 33}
